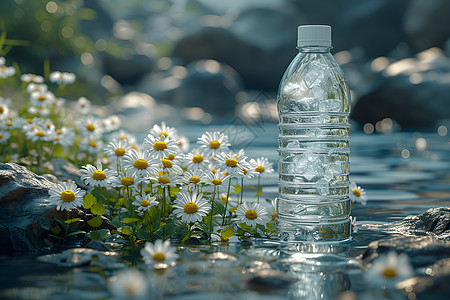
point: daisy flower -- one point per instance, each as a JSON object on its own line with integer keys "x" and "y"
{"x": 213, "y": 142}
{"x": 138, "y": 162}
{"x": 4, "y": 136}
{"x": 216, "y": 178}
{"x": 159, "y": 253}
{"x": 6, "y": 72}
{"x": 160, "y": 147}
{"x": 32, "y": 78}
{"x": 261, "y": 165}
{"x": 128, "y": 284}
{"x": 90, "y": 126}
{"x": 168, "y": 165}
{"x": 39, "y": 111}
{"x": 11, "y": 122}
{"x": 96, "y": 176}
{"x": 123, "y": 135}
{"x": 4, "y": 109}
{"x": 41, "y": 99}
{"x": 117, "y": 149}
{"x": 62, "y": 77}
{"x": 193, "y": 178}
{"x": 63, "y": 136}
{"x": 272, "y": 210}
{"x": 66, "y": 195}
{"x": 110, "y": 124}
{"x": 183, "y": 143}
{"x": 145, "y": 203}
{"x": 163, "y": 179}
{"x": 190, "y": 207}
{"x": 38, "y": 134}
{"x": 196, "y": 159}
{"x": 91, "y": 145}
{"x": 83, "y": 106}
{"x": 127, "y": 179}
{"x": 157, "y": 131}
{"x": 37, "y": 87}
{"x": 252, "y": 214}
{"x": 389, "y": 269}
{"x": 233, "y": 164}
{"x": 357, "y": 194}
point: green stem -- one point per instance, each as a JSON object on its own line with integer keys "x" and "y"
{"x": 211, "y": 214}
{"x": 242, "y": 190}
{"x": 39, "y": 159}
{"x": 105, "y": 195}
{"x": 67, "y": 225}
{"x": 259, "y": 179}
{"x": 226, "y": 202}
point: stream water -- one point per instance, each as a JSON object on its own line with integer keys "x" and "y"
{"x": 403, "y": 173}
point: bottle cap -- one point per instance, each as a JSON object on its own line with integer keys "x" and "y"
{"x": 314, "y": 35}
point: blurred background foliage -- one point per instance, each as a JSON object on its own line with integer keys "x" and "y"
{"x": 215, "y": 58}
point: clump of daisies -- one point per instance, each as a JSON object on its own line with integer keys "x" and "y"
{"x": 357, "y": 194}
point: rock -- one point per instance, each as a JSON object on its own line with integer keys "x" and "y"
{"x": 270, "y": 281}
{"x": 207, "y": 84}
{"x": 411, "y": 91}
{"x": 98, "y": 245}
{"x": 422, "y": 251}
{"x": 27, "y": 216}
{"x": 23, "y": 210}
{"x": 435, "y": 221}
{"x": 129, "y": 68}
{"x": 82, "y": 257}
{"x": 426, "y": 23}
{"x": 259, "y": 51}
{"x": 65, "y": 171}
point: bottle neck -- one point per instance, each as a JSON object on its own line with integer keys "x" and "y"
{"x": 314, "y": 49}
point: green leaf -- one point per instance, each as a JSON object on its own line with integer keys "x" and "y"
{"x": 129, "y": 220}
{"x": 227, "y": 233}
{"x": 126, "y": 230}
{"x": 259, "y": 193}
{"x": 95, "y": 222}
{"x": 121, "y": 201}
{"x": 237, "y": 188}
{"x": 56, "y": 229}
{"x": 98, "y": 194}
{"x": 56, "y": 237}
{"x": 64, "y": 225}
{"x": 173, "y": 191}
{"x": 88, "y": 201}
{"x": 98, "y": 235}
{"x": 219, "y": 207}
{"x": 132, "y": 238}
{"x": 70, "y": 221}
{"x": 233, "y": 209}
{"x": 143, "y": 234}
{"x": 98, "y": 209}
{"x": 75, "y": 233}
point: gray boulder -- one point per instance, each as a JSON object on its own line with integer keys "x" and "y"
{"x": 24, "y": 207}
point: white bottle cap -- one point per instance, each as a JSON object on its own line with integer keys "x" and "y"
{"x": 314, "y": 35}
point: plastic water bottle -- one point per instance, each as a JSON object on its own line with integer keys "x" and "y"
{"x": 313, "y": 105}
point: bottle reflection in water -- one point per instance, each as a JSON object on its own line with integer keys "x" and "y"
{"x": 313, "y": 106}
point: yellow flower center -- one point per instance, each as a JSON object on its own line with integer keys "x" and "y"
{"x": 140, "y": 164}
{"x": 389, "y": 272}
{"x": 167, "y": 164}
{"x": 216, "y": 181}
{"x": 223, "y": 197}
{"x": 123, "y": 137}
{"x": 145, "y": 203}
{"x": 163, "y": 180}
{"x": 1, "y": 136}
{"x": 40, "y": 133}
{"x": 170, "y": 156}
{"x": 251, "y": 214}
{"x": 56, "y": 138}
{"x": 90, "y": 127}
{"x": 245, "y": 171}
{"x": 41, "y": 98}
{"x": 356, "y": 192}
{"x": 127, "y": 181}
{"x": 214, "y": 145}
{"x": 119, "y": 152}
{"x": 159, "y": 145}
{"x": 8, "y": 123}
{"x": 158, "y": 256}
{"x": 68, "y": 196}
{"x": 260, "y": 169}
{"x": 226, "y": 173}
{"x": 29, "y": 121}
{"x": 164, "y": 133}
{"x": 99, "y": 175}
{"x": 197, "y": 158}
{"x": 93, "y": 144}
{"x": 194, "y": 179}
{"x": 190, "y": 208}
{"x": 213, "y": 170}
{"x": 231, "y": 162}
{"x": 274, "y": 216}
{"x": 58, "y": 131}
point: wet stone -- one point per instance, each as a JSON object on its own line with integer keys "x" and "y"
{"x": 265, "y": 281}
{"x": 83, "y": 257}
{"x": 98, "y": 245}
